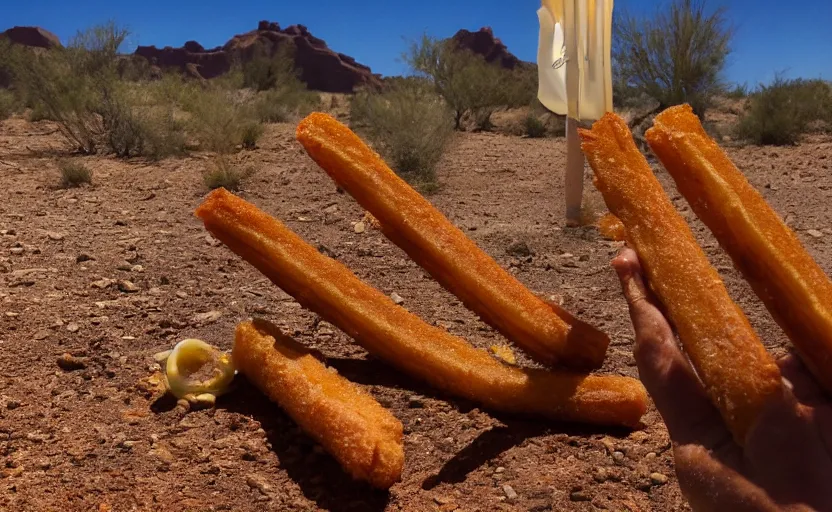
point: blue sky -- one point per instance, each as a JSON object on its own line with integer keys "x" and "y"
{"x": 772, "y": 36}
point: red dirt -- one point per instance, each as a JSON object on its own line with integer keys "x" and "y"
{"x": 93, "y": 438}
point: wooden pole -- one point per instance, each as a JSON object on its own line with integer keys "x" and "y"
{"x": 574, "y": 183}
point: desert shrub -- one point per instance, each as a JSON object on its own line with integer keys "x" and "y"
{"x": 409, "y": 125}
{"x": 8, "y": 103}
{"x": 69, "y": 85}
{"x": 226, "y": 174}
{"x": 251, "y": 134}
{"x": 263, "y": 71}
{"x": 285, "y": 102}
{"x": 676, "y": 56}
{"x": 535, "y": 128}
{"x": 74, "y": 174}
{"x": 218, "y": 118}
{"x": 470, "y": 85}
{"x": 779, "y": 113}
{"x": 738, "y": 92}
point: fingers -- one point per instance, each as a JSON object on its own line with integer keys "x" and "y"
{"x": 800, "y": 381}
{"x": 689, "y": 415}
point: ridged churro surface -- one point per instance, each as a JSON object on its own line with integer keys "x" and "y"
{"x": 456, "y": 262}
{"x": 738, "y": 374}
{"x": 429, "y": 353}
{"x": 363, "y": 436}
{"x": 795, "y": 290}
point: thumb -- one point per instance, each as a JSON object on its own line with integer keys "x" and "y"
{"x": 689, "y": 415}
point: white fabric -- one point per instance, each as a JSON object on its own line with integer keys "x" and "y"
{"x": 573, "y": 57}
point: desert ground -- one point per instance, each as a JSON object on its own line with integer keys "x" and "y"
{"x": 96, "y": 280}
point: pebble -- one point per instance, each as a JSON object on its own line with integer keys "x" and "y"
{"x": 815, "y": 233}
{"x": 600, "y": 475}
{"x": 397, "y": 299}
{"x": 650, "y": 455}
{"x": 44, "y": 464}
{"x": 500, "y": 469}
{"x": 41, "y": 335}
{"x": 658, "y": 478}
{"x": 137, "y": 268}
{"x": 102, "y": 283}
{"x": 12, "y": 404}
{"x": 415, "y": 402}
{"x": 520, "y": 249}
{"x": 124, "y": 266}
{"x": 127, "y": 287}
{"x": 359, "y": 227}
{"x": 259, "y": 483}
{"x": 579, "y": 496}
{"x": 72, "y": 327}
{"x": 618, "y": 457}
{"x": 510, "y": 493}
{"x": 182, "y": 295}
{"x": 16, "y": 250}
{"x": 81, "y": 258}
{"x": 206, "y": 318}
{"x": 69, "y": 363}
{"x": 57, "y": 237}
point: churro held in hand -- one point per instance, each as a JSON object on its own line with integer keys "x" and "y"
{"x": 361, "y": 434}
{"x": 796, "y": 291}
{"x": 429, "y": 238}
{"x": 399, "y": 337}
{"x": 739, "y": 376}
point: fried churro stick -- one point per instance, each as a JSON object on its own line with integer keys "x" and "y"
{"x": 328, "y": 288}
{"x": 611, "y": 227}
{"x": 737, "y": 372}
{"x": 429, "y": 238}
{"x": 361, "y": 434}
{"x": 796, "y": 291}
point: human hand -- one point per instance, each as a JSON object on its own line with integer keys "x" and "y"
{"x": 786, "y": 463}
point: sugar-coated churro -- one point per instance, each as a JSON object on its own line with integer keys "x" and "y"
{"x": 363, "y": 436}
{"x": 738, "y": 374}
{"x": 795, "y": 290}
{"x": 434, "y": 243}
{"x": 399, "y": 337}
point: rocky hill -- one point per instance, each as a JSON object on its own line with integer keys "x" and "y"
{"x": 322, "y": 68}
{"x": 482, "y": 42}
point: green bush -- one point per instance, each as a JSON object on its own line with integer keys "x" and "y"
{"x": 285, "y": 102}
{"x": 779, "y": 113}
{"x": 676, "y": 56}
{"x": 8, "y": 104}
{"x": 535, "y": 128}
{"x": 218, "y": 119}
{"x": 74, "y": 174}
{"x": 469, "y": 85}
{"x": 225, "y": 174}
{"x": 251, "y": 134}
{"x": 263, "y": 71}
{"x": 739, "y": 92}
{"x": 409, "y": 125}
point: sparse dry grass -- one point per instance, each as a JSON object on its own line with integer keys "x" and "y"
{"x": 74, "y": 174}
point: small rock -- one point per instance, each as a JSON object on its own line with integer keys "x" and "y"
{"x": 102, "y": 283}
{"x": 81, "y": 258}
{"x": 127, "y": 287}
{"x": 68, "y": 362}
{"x": 579, "y": 496}
{"x": 500, "y": 469}
{"x": 359, "y": 227}
{"x": 600, "y": 475}
{"x": 12, "y": 405}
{"x": 182, "y": 295}
{"x": 519, "y": 249}
{"x": 618, "y": 457}
{"x": 57, "y": 237}
{"x": 415, "y": 402}
{"x": 120, "y": 223}
{"x": 16, "y": 250}
{"x": 206, "y": 318}
{"x": 510, "y": 493}
{"x": 41, "y": 335}
{"x": 397, "y": 299}
{"x": 72, "y": 327}
{"x": 259, "y": 483}
{"x": 137, "y": 268}
{"x": 658, "y": 478}
{"x": 815, "y": 233}
{"x": 124, "y": 266}
{"x": 650, "y": 456}
{"x": 442, "y": 500}
{"x": 44, "y": 464}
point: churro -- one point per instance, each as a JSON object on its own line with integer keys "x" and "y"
{"x": 399, "y": 337}
{"x": 611, "y": 227}
{"x": 794, "y": 289}
{"x": 738, "y": 374}
{"x": 442, "y": 249}
{"x": 361, "y": 434}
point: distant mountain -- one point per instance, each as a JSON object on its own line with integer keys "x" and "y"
{"x": 321, "y": 68}
{"x": 482, "y": 42}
